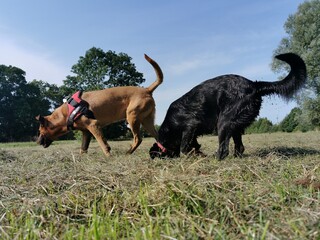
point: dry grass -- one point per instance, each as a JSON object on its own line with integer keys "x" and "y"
{"x": 271, "y": 193}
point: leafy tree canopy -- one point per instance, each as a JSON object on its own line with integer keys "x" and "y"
{"x": 20, "y": 102}
{"x": 49, "y": 92}
{"x": 99, "y": 70}
{"x": 262, "y": 125}
{"x": 290, "y": 122}
{"x": 303, "y": 38}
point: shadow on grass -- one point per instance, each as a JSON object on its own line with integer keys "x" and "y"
{"x": 286, "y": 152}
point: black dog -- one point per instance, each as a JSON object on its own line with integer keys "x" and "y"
{"x": 226, "y": 104}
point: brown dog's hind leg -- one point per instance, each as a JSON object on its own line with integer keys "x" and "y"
{"x": 86, "y": 138}
{"x": 148, "y": 125}
{"x": 97, "y": 133}
{"x": 135, "y": 129}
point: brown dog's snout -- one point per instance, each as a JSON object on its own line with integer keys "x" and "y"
{"x": 44, "y": 141}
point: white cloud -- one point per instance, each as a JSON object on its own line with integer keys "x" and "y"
{"x": 185, "y": 66}
{"x": 196, "y": 62}
{"x": 256, "y": 71}
{"x": 37, "y": 64}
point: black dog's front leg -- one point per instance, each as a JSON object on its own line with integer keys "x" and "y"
{"x": 189, "y": 143}
{"x": 186, "y": 141}
{"x": 224, "y": 139}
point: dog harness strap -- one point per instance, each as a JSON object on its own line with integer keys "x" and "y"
{"x": 76, "y": 108}
{"x": 163, "y": 149}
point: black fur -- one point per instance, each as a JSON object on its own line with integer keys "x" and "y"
{"x": 227, "y": 105}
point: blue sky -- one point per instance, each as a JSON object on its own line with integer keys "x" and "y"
{"x": 191, "y": 40}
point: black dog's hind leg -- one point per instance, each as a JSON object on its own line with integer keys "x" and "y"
{"x": 238, "y": 145}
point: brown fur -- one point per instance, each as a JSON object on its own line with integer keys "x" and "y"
{"x": 135, "y": 104}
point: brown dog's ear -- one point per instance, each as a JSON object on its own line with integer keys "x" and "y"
{"x": 41, "y": 119}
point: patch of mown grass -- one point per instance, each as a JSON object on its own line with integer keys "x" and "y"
{"x": 55, "y": 193}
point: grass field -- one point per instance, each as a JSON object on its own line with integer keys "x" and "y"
{"x": 271, "y": 193}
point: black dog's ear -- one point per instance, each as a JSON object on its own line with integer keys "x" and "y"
{"x": 41, "y": 119}
{"x": 155, "y": 151}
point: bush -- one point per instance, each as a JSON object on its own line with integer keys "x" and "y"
{"x": 262, "y": 125}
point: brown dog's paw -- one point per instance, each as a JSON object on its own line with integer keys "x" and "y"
{"x": 83, "y": 151}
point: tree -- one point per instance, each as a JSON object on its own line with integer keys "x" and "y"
{"x": 99, "y": 70}
{"x": 303, "y": 38}
{"x": 290, "y": 123}
{"x": 50, "y": 92}
{"x": 262, "y": 125}
{"x": 311, "y": 111}
{"x": 20, "y": 102}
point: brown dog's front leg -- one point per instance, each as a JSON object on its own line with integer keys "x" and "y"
{"x": 86, "y": 138}
{"x": 97, "y": 133}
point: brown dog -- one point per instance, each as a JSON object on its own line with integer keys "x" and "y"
{"x": 135, "y": 104}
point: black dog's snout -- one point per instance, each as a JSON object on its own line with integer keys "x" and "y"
{"x": 155, "y": 151}
{"x": 154, "y": 154}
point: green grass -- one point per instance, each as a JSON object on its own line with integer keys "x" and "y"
{"x": 55, "y": 193}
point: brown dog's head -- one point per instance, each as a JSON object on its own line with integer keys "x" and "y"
{"x": 51, "y": 127}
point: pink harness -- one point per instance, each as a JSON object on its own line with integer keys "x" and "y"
{"x": 76, "y": 108}
{"x": 73, "y": 103}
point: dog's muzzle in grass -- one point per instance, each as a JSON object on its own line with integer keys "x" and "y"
{"x": 158, "y": 151}
{"x": 44, "y": 141}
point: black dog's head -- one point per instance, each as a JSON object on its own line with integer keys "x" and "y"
{"x": 159, "y": 151}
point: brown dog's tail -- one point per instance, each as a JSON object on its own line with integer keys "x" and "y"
{"x": 159, "y": 74}
{"x": 291, "y": 83}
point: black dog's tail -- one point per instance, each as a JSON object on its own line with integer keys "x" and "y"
{"x": 291, "y": 83}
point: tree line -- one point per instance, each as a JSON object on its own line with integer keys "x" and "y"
{"x": 21, "y": 101}
{"x": 291, "y": 123}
